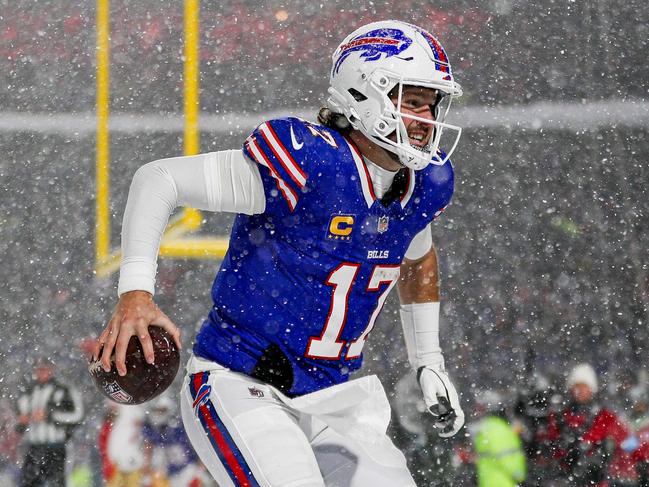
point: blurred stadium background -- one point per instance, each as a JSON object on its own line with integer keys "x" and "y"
{"x": 543, "y": 251}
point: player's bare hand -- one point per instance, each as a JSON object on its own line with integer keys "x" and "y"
{"x": 134, "y": 312}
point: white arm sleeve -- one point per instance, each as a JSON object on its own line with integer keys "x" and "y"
{"x": 420, "y": 322}
{"x": 218, "y": 181}
{"x": 420, "y": 245}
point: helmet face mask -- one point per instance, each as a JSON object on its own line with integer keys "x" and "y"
{"x": 381, "y": 59}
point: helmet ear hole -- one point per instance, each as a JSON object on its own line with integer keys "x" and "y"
{"x": 358, "y": 96}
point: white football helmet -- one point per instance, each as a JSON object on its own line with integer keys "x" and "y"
{"x": 369, "y": 64}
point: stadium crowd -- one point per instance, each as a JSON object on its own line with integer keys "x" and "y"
{"x": 543, "y": 251}
{"x": 508, "y": 51}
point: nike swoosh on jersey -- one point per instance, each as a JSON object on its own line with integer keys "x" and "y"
{"x": 296, "y": 146}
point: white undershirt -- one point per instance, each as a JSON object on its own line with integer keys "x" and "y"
{"x": 217, "y": 181}
{"x": 381, "y": 178}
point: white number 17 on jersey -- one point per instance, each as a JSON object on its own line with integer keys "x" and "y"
{"x": 328, "y": 345}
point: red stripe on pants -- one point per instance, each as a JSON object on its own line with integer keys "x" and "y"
{"x": 225, "y": 448}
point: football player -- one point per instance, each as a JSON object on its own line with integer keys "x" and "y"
{"x": 330, "y": 217}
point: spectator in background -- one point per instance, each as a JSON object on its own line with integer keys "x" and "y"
{"x": 48, "y": 411}
{"x": 499, "y": 456}
{"x": 9, "y": 440}
{"x": 169, "y": 458}
{"x": 126, "y": 447}
{"x": 637, "y": 444}
{"x": 105, "y": 429}
{"x": 530, "y": 419}
{"x": 585, "y": 436}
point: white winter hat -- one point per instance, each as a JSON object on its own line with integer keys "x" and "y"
{"x": 582, "y": 374}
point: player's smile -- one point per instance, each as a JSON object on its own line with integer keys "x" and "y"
{"x": 419, "y": 102}
{"x": 419, "y": 138}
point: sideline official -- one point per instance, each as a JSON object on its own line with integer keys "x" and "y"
{"x": 48, "y": 412}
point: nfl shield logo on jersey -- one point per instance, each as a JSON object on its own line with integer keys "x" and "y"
{"x": 382, "y": 227}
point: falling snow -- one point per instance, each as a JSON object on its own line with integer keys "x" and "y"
{"x": 543, "y": 251}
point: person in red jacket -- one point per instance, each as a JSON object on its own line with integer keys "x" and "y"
{"x": 585, "y": 437}
{"x": 107, "y": 467}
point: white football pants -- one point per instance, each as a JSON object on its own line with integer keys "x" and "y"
{"x": 249, "y": 434}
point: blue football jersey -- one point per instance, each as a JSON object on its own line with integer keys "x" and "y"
{"x": 311, "y": 274}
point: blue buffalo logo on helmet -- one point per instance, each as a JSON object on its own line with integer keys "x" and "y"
{"x": 375, "y": 44}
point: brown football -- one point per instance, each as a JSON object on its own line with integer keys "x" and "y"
{"x": 142, "y": 381}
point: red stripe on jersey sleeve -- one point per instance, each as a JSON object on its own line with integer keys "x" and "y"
{"x": 284, "y": 156}
{"x": 260, "y": 158}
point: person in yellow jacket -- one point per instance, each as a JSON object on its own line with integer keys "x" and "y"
{"x": 499, "y": 456}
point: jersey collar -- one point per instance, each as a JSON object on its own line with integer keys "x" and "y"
{"x": 366, "y": 181}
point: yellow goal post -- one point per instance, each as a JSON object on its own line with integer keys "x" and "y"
{"x": 175, "y": 242}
